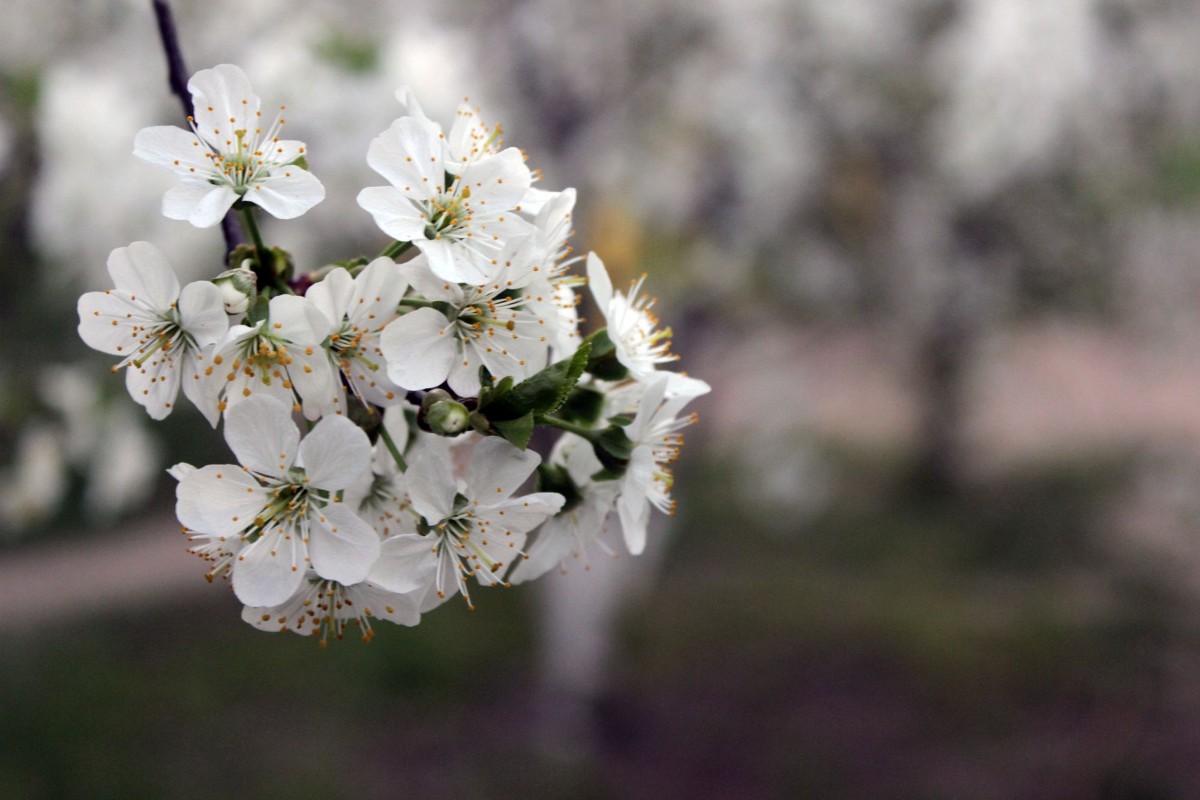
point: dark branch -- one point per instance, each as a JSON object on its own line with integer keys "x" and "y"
{"x": 176, "y": 71}
{"x": 177, "y": 78}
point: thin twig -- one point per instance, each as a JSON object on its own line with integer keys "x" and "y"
{"x": 176, "y": 71}
{"x": 178, "y": 80}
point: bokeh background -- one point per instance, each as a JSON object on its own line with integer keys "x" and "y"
{"x": 939, "y": 527}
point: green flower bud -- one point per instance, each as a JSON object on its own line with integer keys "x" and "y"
{"x": 447, "y": 417}
{"x": 238, "y": 288}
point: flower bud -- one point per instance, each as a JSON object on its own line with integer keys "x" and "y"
{"x": 447, "y": 417}
{"x": 238, "y": 288}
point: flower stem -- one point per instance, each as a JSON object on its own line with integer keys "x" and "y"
{"x": 569, "y": 427}
{"x": 391, "y": 446}
{"x": 395, "y": 249}
{"x": 416, "y": 302}
{"x": 265, "y": 270}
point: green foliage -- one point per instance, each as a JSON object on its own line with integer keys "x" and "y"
{"x": 353, "y": 54}
{"x": 511, "y": 410}
{"x": 602, "y": 361}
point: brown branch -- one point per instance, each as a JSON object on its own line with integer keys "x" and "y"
{"x": 177, "y": 78}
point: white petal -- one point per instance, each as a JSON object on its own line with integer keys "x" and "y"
{"x": 420, "y": 348}
{"x": 287, "y": 193}
{"x": 144, "y": 272}
{"x": 679, "y": 386}
{"x": 203, "y": 390}
{"x": 333, "y": 294}
{"x": 98, "y": 311}
{"x": 342, "y": 547}
{"x": 497, "y": 469}
{"x": 296, "y": 319}
{"x": 174, "y": 148}
{"x": 400, "y": 609}
{"x": 198, "y": 202}
{"x": 535, "y": 200}
{"x": 285, "y": 151}
{"x": 522, "y": 514}
{"x": 202, "y": 314}
{"x": 335, "y": 454}
{"x": 181, "y": 470}
{"x": 409, "y": 156}
{"x": 409, "y": 101}
{"x": 599, "y": 283}
{"x": 267, "y": 572}
{"x": 220, "y": 499}
{"x": 431, "y": 485}
{"x": 428, "y": 285}
{"x": 260, "y": 431}
{"x": 406, "y": 563}
{"x": 223, "y": 102}
{"x": 377, "y": 290}
{"x": 155, "y": 384}
{"x": 467, "y": 135}
{"x": 455, "y": 263}
{"x": 395, "y": 214}
{"x": 502, "y": 180}
{"x": 634, "y": 511}
{"x": 316, "y": 382}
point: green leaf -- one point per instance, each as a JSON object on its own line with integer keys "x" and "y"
{"x": 541, "y": 393}
{"x": 518, "y": 431}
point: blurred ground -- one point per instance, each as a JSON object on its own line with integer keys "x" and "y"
{"x": 887, "y": 644}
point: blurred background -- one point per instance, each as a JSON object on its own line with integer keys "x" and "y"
{"x": 939, "y": 527}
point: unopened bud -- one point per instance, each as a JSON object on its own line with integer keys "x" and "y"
{"x": 238, "y": 288}
{"x": 447, "y": 417}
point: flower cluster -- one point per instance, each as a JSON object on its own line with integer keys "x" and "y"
{"x": 419, "y": 377}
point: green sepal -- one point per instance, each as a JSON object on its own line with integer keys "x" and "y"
{"x": 518, "y": 431}
{"x": 354, "y": 265}
{"x": 602, "y": 361}
{"x": 486, "y": 382}
{"x": 261, "y": 308}
{"x": 614, "y": 442}
{"x": 620, "y": 421}
{"x": 301, "y": 162}
{"x": 608, "y": 475}
{"x": 479, "y": 423}
{"x": 614, "y": 449}
{"x": 240, "y": 254}
{"x": 282, "y": 264}
{"x": 367, "y": 417}
{"x": 555, "y": 478}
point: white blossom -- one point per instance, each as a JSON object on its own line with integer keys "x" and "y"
{"x": 460, "y": 226}
{"x": 470, "y": 528}
{"x": 358, "y": 308}
{"x": 228, "y": 155}
{"x": 322, "y": 607}
{"x": 648, "y": 479}
{"x": 270, "y": 520}
{"x": 632, "y": 325}
{"x": 159, "y": 331}
{"x": 508, "y": 332}
{"x": 570, "y": 534}
{"x": 281, "y": 356}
